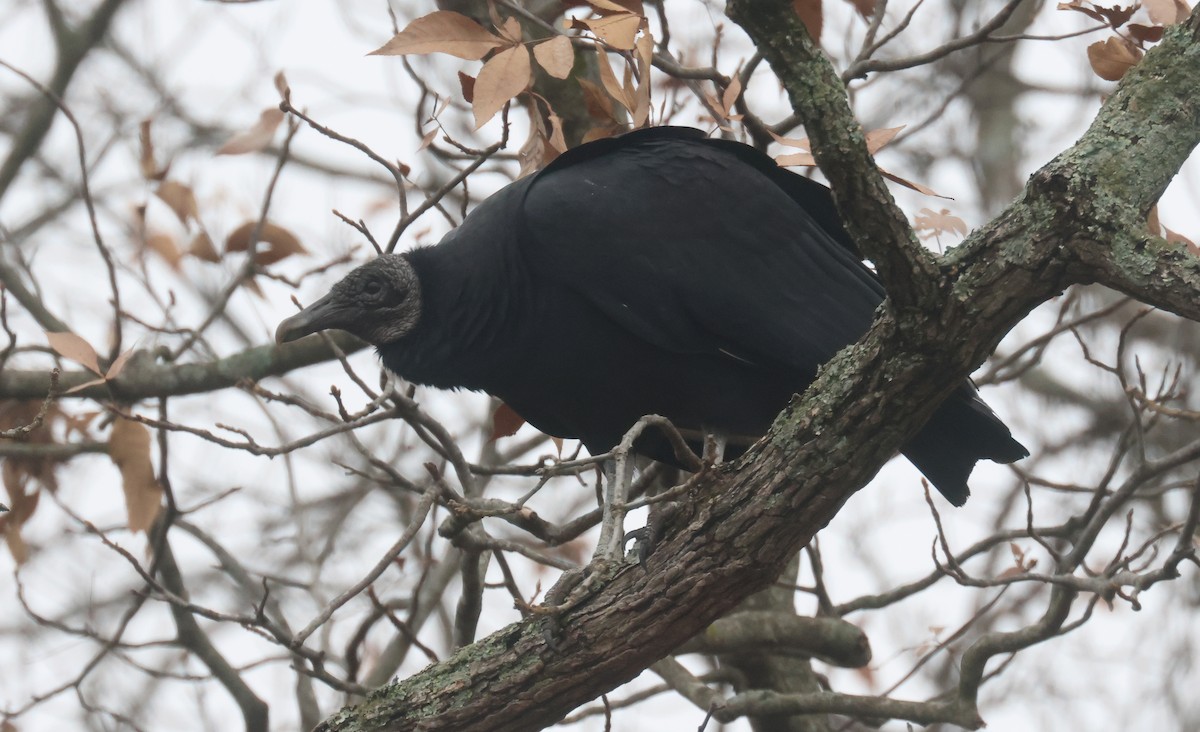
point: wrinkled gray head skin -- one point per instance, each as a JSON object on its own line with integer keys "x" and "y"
{"x": 379, "y": 302}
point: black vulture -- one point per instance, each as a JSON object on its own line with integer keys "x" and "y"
{"x": 659, "y": 272}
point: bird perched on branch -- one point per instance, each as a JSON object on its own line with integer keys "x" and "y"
{"x": 658, "y": 272}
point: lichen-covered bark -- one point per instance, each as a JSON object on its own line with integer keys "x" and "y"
{"x": 1081, "y": 219}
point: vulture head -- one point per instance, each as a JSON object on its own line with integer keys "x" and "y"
{"x": 380, "y": 302}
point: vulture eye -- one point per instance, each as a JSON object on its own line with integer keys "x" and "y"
{"x": 373, "y": 289}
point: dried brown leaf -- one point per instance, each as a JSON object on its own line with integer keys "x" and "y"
{"x": 556, "y": 56}
{"x": 601, "y": 131}
{"x": 879, "y": 139}
{"x": 939, "y": 222}
{"x": 118, "y": 365}
{"x": 557, "y": 140}
{"x": 69, "y": 345}
{"x": 1146, "y": 33}
{"x": 1177, "y": 238}
{"x": 1111, "y": 58}
{"x": 504, "y": 76}
{"x": 147, "y": 163}
{"x": 1079, "y": 7}
{"x": 466, "y": 83}
{"x": 180, "y": 198}
{"x": 598, "y": 103}
{"x": 505, "y": 422}
{"x": 1167, "y": 12}
{"x": 281, "y": 86}
{"x": 164, "y": 246}
{"x": 605, "y": 7}
{"x": 536, "y": 151}
{"x": 609, "y": 79}
{"x": 865, "y": 8}
{"x": 257, "y": 137}
{"x": 731, "y": 94}
{"x": 442, "y": 31}
{"x": 801, "y": 158}
{"x": 21, "y": 506}
{"x": 510, "y": 30}
{"x": 280, "y": 242}
{"x": 643, "y": 54}
{"x": 202, "y": 247}
{"x": 85, "y": 385}
{"x": 811, "y": 15}
{"x": 129, "y": 448}
{"x": 616, "y": 30}
{"x": 914, "y": 186}
{"x": 1116, "y": 16}
{"x": 1152, "y": 221}
{"x": 801, "y": 143}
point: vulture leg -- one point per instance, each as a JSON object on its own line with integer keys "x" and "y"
{"x": 618, "y": 476}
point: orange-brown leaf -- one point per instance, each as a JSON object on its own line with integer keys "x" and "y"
{"x": 609, "y": 79}
{"x": 557, "y": 140}
{"x": 605, "y": 7}
{"x": 505, "y": 422}
{"x": 466, "y": 83}
{"x": 1146, "y": 33}
{"x": 910, "y": 184}
{"x": 1111, "y": 58}
{"x": 69, "y": 345}
{"x": 731, "y": 94}
{"x": 1177, "y": 238}
{"x": 164, "y": 246}
{"x": 865, "y": 8}
{"x": 598, "y": 103}
{"x": 257, "y": 137}
{"x": 442, "y": 31}
{"x": 616, "y": 30}
{"x": 879, "y": 139}
{"x": 20, "y": 509}
{"x": 601, "y": 131}
{"x": 1167, "y": 12}
{"x": 556, "y": 56}
{"x": 939, "y": 222}
{"x": 810, "y": 14}
{"x": 1078, "y": 7}
{"x": 281, "y": 86}
{"x": 504, "y": 76}
{"x": 180, "y": 198}
{"x": 202, "y": 247}
{"x": 536, "y": 152}
{"x": 280, "y": 242}
{"x": 643, "y": 54}
{"x": 129, "y": 448}
{"x": 510, "y": 30}
{"x": 147, "y": 163}
{"x": 800, "y": 158}
{"x": 118, "y": 365}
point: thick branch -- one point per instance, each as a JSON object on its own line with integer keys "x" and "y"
{"x": 831, "y": 639}
{"x": 142, "y": 378}
{"x": 73, "y": 47}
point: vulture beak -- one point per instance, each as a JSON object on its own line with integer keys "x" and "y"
{"x": 325, "y": 313}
